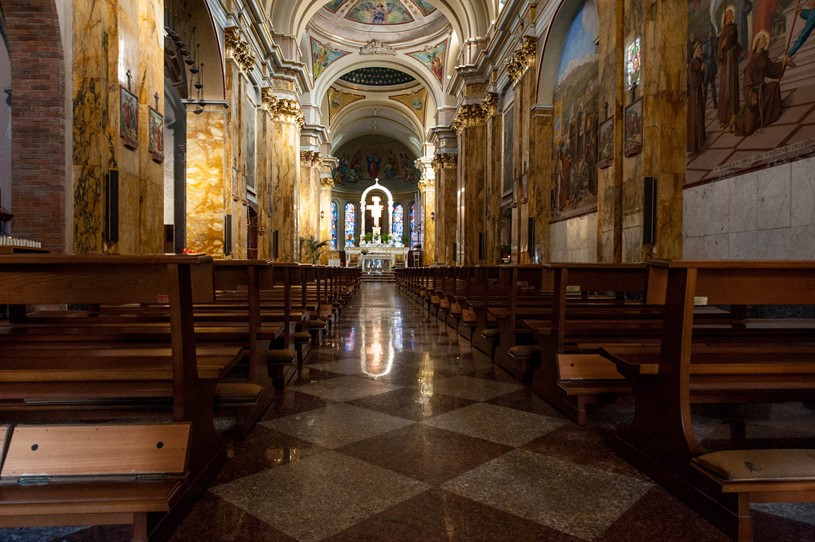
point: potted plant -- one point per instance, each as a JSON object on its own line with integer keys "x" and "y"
{"x": 312, "y": 248}
{"x": 369, "y": 237}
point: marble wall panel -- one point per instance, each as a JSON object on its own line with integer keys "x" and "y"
{"x": 716, "y": 208}
{"x": 802, "y": 242}
{"x": 429, "y": 233}
{"x": 575, "y": 239}
{"x": 205, "y": 182}
{"x": 445, "y": 218}
{"x": 494, "y": 188}
{"x": 802, "y": 192}
{"x": 473, "y": 147}
{"x": 264, "y": 194}
{"x": 773, "y": 199}
{"x": 742, "y": 203}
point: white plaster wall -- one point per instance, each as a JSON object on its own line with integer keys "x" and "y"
{"x": 574, "y": 240}
{"x": 766, "y": 215}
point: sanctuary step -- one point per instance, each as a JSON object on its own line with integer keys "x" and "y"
{"x": 385, "y": 276}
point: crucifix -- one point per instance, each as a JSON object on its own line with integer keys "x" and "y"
{"x": 376, "y": 210}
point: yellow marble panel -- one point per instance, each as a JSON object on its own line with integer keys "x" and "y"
{"x": 284, "y": 178}
{"x": 205, "y": 182}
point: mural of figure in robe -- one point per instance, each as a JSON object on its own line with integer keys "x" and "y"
{"x": 762, "y": 98}
{"x": 696, "y": 101}
{"x": 711, "y": 74}
{"x": 728, "y": 60}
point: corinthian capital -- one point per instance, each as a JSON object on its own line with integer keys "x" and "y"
{"x": 470, "y": 115}
{"x": 521, "y": 60}
{"x": 283, "y": 109}
{"x": 445, "y": 160}
{"x": 238, "y": 48}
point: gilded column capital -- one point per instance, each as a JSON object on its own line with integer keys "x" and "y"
{"x": 520, "y": 61}
{"x": 470, "y": 115}
{"x": 309, "y": 158}
{"x": 426, "y": 185}
{"x": 445, "y": 161}
{"x": 238, "y": 48}
{"x": 326, "y": 183}
{"x": 283, "y": 109}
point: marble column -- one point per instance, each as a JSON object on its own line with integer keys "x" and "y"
{"x": 326, "y": 187}
{"x": 428, "y": 239}
{"x": 445, "y": 166}
{"x": 540, "y": 177}
{"x": 309, "y": 196}
{"x": 130, "y": 57}
{"x": 495, "y": 188}
{"x": 284, "y": 174}
{"x": 470, "y": 124}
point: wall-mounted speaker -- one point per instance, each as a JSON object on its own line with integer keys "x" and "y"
{"x": 530, "y": 237}
{"x": 275, "y": 246}
{"x": 227, "y": 235}
{"x": 112, "y": 206}
{"x": 482, "y": 241}
{"x": 455, "y": 252}
{"x": 649, "y": 210}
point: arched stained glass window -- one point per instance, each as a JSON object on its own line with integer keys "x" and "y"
{"x": 350, "y": 224}
{"x": 398, "y": 221}
{"x": 414, "y": 232}
{"x": 335, "y": 220}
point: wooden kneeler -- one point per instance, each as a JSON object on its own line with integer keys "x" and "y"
{"x": 92, "y": 474}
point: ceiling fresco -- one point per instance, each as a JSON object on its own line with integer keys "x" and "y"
{"x": 322, "y": 56}
{"x": 433, "y": 58}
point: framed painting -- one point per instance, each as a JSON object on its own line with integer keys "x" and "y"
{"x": 605, "y": 148}
{"x": 155, "y": 135}
{"x": 129, "y": 119}
{"x": 633, "y": 128}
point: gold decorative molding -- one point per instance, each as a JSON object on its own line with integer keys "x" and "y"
{"x": 426, "y": 184}
{"x": 445, "y": 160}
{"x": 522, "y": 59}
{"x": 283, "y": 109}
{"x": 470, "y": 115}
{"x": 309, "y": 158}
{"x": 326, "y": 183}
{"x": 238, "y": 48}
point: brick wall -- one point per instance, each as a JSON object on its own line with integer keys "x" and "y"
{"x": 38, "y": 121}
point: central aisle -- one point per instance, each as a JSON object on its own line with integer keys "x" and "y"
{"x": 398, "y": 430}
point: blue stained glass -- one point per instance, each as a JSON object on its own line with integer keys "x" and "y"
{"x": 398, "y": 221}
{"x": 334, "y": 221}
{"x": 350, "y": 224}
{"x": 414, "y": 232}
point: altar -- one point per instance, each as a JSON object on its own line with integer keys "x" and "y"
{"x": 376, "y": 260}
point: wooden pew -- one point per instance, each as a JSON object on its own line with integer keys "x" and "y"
{"x": 91, "y": 474}
{"x": 186, "y": 387}
{"x": 743, "y": 366}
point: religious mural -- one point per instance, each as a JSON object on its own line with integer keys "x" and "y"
{"x": 424, "y": 6}
{"x": 379, "y": 12}
{"x": 750, "y": 85}
{"x": 334, "y": 5}
{"x": 433, "y": 59}
{"x": 576, "y": 112}
{"x": 369, "y": 157}
{"x": 322, "y": 56}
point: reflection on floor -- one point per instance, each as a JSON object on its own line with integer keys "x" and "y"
{"x": 398, "y": 430}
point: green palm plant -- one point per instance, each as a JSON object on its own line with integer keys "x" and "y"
{"x": 312, "y": 248}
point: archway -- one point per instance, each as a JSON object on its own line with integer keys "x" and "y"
{"x": 37, "y": 121}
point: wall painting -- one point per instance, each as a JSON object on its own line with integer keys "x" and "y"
{"x": 322, "y": 56}
{"x": 576, "y": 113}
{"x": 379, "y": 12}
{"x": 433, "y": 58}
{"x": 751, "y": 85}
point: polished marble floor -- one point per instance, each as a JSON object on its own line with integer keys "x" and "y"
{"x": 397, "y": 430}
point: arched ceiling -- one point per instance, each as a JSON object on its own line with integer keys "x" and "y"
{"x": 417, "y": 38}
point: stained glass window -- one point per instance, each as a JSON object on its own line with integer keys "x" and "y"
{"x": 350, "y": 224}
{"x": 398, "y": 221}
{"x": 334, "y": 221}
{"x": 414, "y": 232}
{"x": 632, "y": 63}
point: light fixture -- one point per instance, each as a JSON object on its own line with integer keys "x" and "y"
{"x": 433, "y": 215}
{"x": 322, "y": 215}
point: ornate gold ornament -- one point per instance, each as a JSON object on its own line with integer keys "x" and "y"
{"x": 283, "y": 109}
{"x": 523, "y": 57}
{"x": 444, "y": 161}
{"x": 238, "y": 48}
{"x": 470, "y": 115}
{"x": 326, "y": 183}
{"x": 309, "y": 158}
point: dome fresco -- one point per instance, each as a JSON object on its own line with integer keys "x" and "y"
{"x": 384, "y": 12}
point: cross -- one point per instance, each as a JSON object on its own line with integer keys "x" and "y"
{"x": 376, "y": 210}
